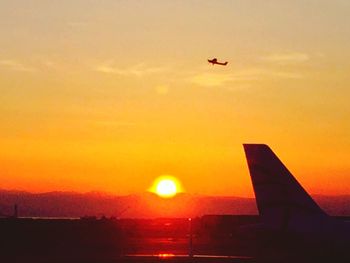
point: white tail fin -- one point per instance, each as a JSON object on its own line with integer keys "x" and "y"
{"x": 279, "y": 196}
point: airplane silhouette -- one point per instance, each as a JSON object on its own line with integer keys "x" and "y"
{"x": 215, "y": 61}
{"x": 288, "y": 212}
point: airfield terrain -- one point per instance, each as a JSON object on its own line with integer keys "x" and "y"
{"x": 132, "y": 240}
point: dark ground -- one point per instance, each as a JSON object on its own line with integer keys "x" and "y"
{"x": 125, "y": 240}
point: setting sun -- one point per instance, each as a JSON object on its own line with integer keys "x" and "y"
{"x": 166, "y": 186}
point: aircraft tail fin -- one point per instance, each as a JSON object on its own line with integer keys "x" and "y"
{"x": 279, "y": 196}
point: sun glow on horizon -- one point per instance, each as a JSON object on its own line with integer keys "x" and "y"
{"x": 111, "y": 98}
{"x": 166, "y": 186}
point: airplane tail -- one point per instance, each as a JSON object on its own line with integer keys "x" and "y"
{"x": 280, "y": 198}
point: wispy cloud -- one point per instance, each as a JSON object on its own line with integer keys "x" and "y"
{"x": 15, "y": 65}
{"x": 286, "y": 58}
{"x": 162, "y": 89}
{"x": 49, "y": 64}
{"x": 138, "y": 70}
{"x": 264, "y": 73}
{"x": 211, "y": 79}
{"x": 208, "y": 79}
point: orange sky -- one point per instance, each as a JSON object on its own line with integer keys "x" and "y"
{"x": 108, "y": 95}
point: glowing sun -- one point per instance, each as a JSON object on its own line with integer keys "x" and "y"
{"x": 166, "y": 186}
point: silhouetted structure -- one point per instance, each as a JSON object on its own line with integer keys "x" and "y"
{"x": 15, "y": 212}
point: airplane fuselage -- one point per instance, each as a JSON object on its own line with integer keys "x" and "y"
{"x": 215, "y": 62}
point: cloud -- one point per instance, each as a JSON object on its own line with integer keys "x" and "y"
{"x": 15, "y": 66}
{"x": 264, "y": 73}
{"x": 162, "y": 89}
{"x": 208, "y": 79}
{"x": 211, "y": 79}
{"x": 49, "y": 64}
{"x": 138, "y": 70}
{"x": 286, "y": 58}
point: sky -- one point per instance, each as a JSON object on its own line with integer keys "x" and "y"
{"x": 108, "y": 95}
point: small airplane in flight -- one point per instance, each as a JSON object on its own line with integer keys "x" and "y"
{"x": 215, "y": 61}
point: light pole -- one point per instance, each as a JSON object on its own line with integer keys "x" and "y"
{"x": 190, "y": 241}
